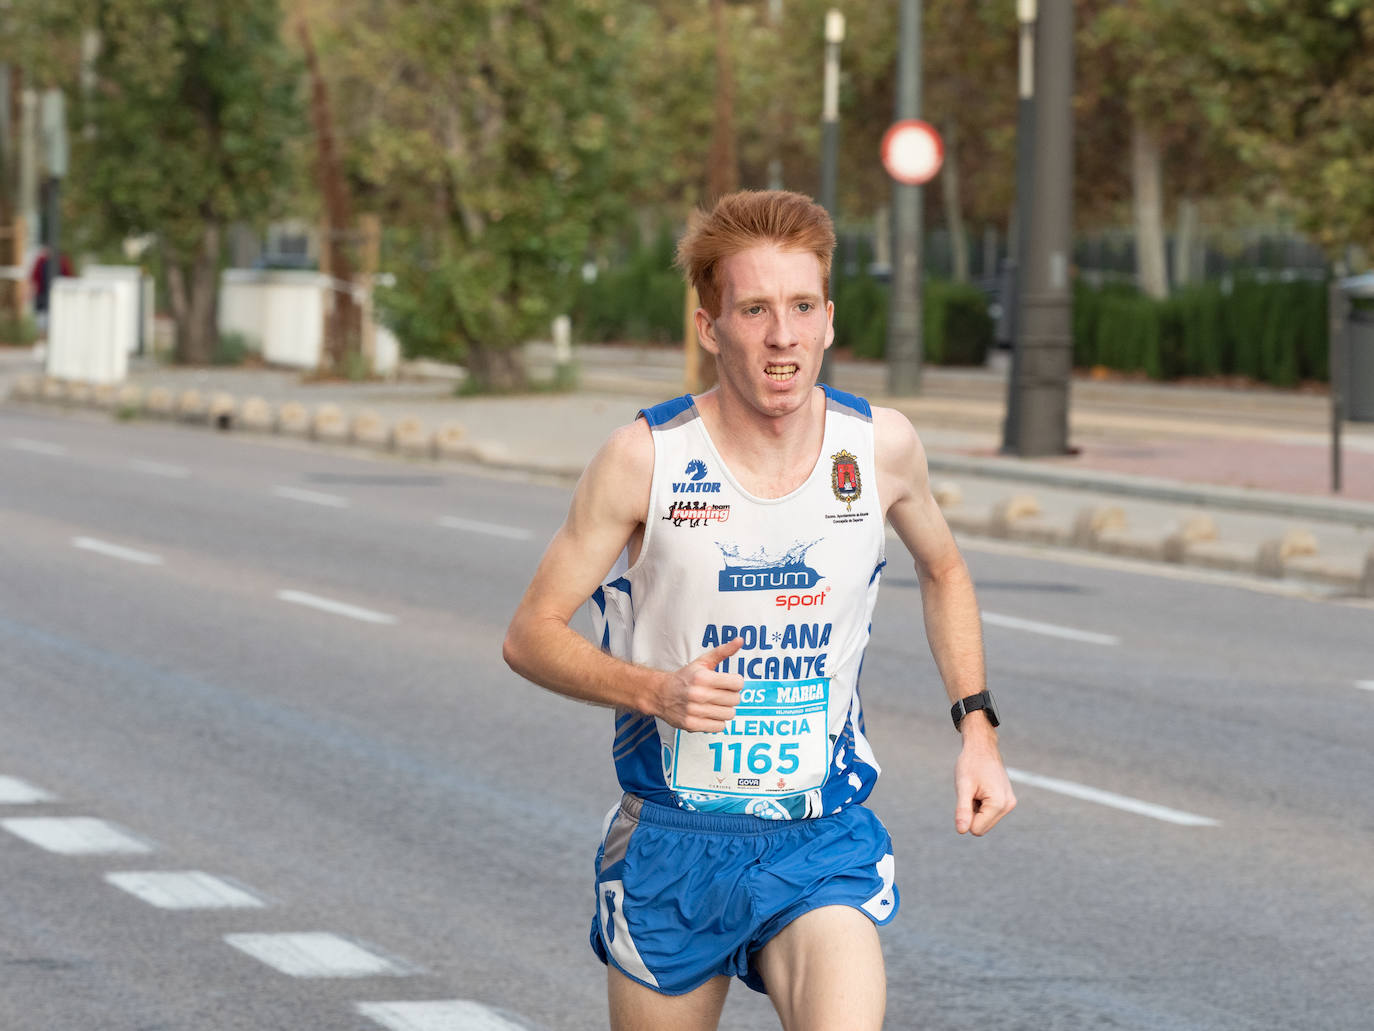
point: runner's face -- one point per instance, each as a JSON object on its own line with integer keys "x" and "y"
{"x": 773, "y": 328}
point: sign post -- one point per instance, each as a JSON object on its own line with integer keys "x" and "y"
{"x": 912, "y": 153}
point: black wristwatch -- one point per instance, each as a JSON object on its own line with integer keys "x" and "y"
{"x": 981, "y": 700}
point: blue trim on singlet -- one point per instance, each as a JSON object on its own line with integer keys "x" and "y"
{"x": 853, "y": 401}
{"x": 876, "y": 570}
{"x": 621, "y": 585}
{"x": 599, "y": 599}
{"x": 838, "y": 792}
{"x": 666, "y": 411}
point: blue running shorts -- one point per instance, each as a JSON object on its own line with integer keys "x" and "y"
{"x": 683, "y": 897}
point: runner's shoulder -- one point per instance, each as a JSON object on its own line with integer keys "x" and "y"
{"x": 622, "y": 469}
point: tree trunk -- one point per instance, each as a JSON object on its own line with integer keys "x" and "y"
{"x": 496, "y": 370}
{"x": 1148, "y": 206}
{"x": 1186, "y": 270}
{"x": 724, "y": 168}
{"x": 193, "y": 290}
{"x": 954, "y": 209}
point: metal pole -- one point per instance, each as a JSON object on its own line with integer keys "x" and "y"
{"x": 53, "y": 267}
{"x": 1338, "y": 312}
{"x": 1025, "y": 149}
{"x": 904, "y": 320}
{"x": 1045, "y": 339}
{"x": 830, "y": 141}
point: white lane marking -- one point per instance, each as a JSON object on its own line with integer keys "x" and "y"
{"x": 75, "y": 835}
{"x": 436, "y": 1015}
{"x": 173, "y": 472}
{"x": 314, "y": 954}
{"x": 1107, "y": 798}
{"x": 337, "y": 608}
{"x": 189, "y": 889}
{"x": 1068, "y": 633}
{"x": 146, "y": 558}
{"x": 1365, "y": 685}
{"x": 513, "y": 533}
{"x": 311, "y": 497}
{"x": 37, "y": 447}
{"x": 14, "y": 791}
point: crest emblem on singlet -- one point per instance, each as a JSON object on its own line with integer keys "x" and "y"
{"x": 844, "y": 478}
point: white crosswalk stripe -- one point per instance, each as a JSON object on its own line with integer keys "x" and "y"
{"x": 75, "y": 835}
{"x": 315, "y": 954}
{"x": 183, "y": 889}
{"x": 436, "y": 1015}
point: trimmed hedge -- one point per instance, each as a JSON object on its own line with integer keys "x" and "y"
{"x": 1271, "y": 332}
{"x": 956, "y": 326}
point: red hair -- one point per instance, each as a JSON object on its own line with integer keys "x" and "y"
{"x": 746, "y": 219}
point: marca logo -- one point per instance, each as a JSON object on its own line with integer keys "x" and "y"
{"x": 748, "y": 782}
{"x": 764, "y": 572}
{"x": 696, "y": 480}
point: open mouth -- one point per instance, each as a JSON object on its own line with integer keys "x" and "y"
{"x": 780, "y": 373}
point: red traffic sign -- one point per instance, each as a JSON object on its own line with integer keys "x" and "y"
{"x": 912, "y": 151}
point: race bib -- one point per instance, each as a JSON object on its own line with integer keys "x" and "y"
{"x": 775, "y": 745}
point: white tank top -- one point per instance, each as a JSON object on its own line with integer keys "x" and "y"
{"x": 795, "y": 577}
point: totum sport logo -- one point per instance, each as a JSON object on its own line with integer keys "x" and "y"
{"x": 764, "y": 571}
{"x": 801, "y": 601}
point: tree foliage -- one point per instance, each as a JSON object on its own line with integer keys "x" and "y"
{"x": 185, "y": 130}
{"x": 490, "y": 134}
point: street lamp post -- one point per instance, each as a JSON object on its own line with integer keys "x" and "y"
{"x": 53, "y": 122}
{"x": 1045, "y": 334}
{"x": 830, "y": 139}
{"x": 1025, "y": 151}
{"x": 904, "y": 320}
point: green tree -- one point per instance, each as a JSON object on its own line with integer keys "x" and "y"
{"x": 1292, "y": 89}
{"x": 190, "y": 114}
{"x": 490, "y": 134}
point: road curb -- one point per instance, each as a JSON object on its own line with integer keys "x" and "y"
{"x": 1099, "y": 528}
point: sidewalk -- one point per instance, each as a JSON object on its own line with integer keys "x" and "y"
{"x": 1230, "y": 478}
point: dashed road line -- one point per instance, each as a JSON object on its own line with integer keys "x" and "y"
{"x": 315, "y": 954}
{"x": 184, "y": 889}
{"x": 37, "y": 447}
{"x": 311, "y": 497}
{"x": 1365, "y": 685}
{"x": 172, "y": 472}
{"x": 76, "y": 835}
{"x": 513, "y": 533}
{"x": 146, "y": 558}
{"x": 337, "y": 608}
{"x": 1048, "y": 629}
{"x": 1107, "y": 798}
{"x": 436, "y": 1015}
{"x": 14, "y": 791}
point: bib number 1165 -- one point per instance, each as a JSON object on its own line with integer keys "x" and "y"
{"x": 759, "y": 758}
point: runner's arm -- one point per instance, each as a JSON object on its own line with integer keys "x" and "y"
{"x": 950, "y": 609}
{"x": 611, "y": 501}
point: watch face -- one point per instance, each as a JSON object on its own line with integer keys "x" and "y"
{"x": 991, "y": 706}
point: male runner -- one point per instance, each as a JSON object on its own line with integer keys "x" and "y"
{"x": 731, "y": 544}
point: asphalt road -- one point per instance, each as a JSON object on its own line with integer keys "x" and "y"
{"x": 273, "y": 673}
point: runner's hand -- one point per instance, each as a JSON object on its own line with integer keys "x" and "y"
{"x": 982, "y": 790}
{"x": 698, "y": 698}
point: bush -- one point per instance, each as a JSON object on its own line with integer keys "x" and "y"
{"x": 640, "y": 298}
{"x": 956, "y": 327}
{"x": 1270, "y": 332}
{"x": 861, "y": 304}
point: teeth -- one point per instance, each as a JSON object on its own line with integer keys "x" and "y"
{"x": 780, "y": 372}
